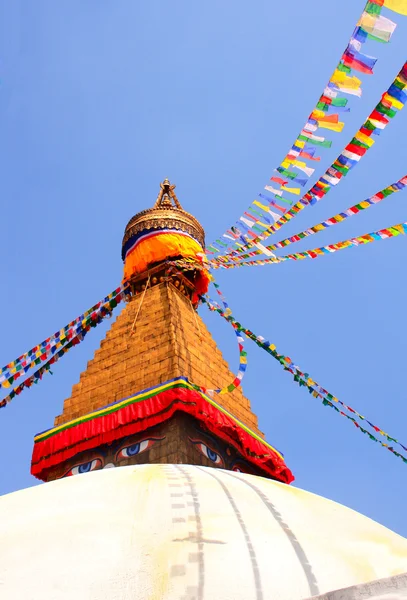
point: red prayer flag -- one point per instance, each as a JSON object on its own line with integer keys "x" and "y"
{"x": 279, "y": 180}
{"x": 366, "y": 131}
{"x": 354, "y": 63}
{"x": 356, "y": 149}
{"x": 325, "y": 100}
{"x": 377, "y": 116}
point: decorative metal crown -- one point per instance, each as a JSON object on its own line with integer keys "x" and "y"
{"x": 167, "y": 212}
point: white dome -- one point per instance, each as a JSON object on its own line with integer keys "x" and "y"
{"x": 181, "y": 532}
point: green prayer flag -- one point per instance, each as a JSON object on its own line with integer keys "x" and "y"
{"x": 342, "y": 169}
{"x": 387, "y": 192}
{"x": 386, "y": 111}
{"x": 399, "y": 84}
{"x": 373, "y": 9}
{"x": 369, "y": 125}
{"x": 339, "y": 101}
{"x": 324, "y": 144}
{"x": 343, "y": 68}
{"x": 289, "y": 174}
{"x": 357, "y": 142}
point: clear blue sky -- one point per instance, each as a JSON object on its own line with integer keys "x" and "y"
{"x": 101, "y": 100}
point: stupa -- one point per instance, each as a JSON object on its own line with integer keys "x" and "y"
{"x": 201, "y": 507}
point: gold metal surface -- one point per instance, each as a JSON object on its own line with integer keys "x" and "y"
{"x": 166, "y": 213}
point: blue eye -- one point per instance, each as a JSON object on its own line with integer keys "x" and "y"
{"x": 211, "y": 454}
{"x": 137, "y": 448}
{"x": 85, "y": 468}
{"x": 208, "y": 452}
{"x": 134, "y": 449}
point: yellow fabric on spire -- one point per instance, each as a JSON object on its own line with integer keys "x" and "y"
{"x": 399, "y": 6}
{"x": 159, "y": 248}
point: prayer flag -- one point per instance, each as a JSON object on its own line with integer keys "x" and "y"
{"x": 291, "y": 190}
{"x": 273, "y": 190}
{"x": 377, "y": 27}
{"x": 279, "y": 180}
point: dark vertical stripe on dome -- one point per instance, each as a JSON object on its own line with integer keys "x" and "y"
{"x": 199, "y": 531}
{"x": 298, "y": 549}
{"x": 249, "y": 544}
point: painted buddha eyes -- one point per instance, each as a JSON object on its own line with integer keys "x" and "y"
{"x": 208, "y": 452}
{"x": 106, "y": 461}
{"x": 134, "y": 449}
{"x": 85, "y": 467}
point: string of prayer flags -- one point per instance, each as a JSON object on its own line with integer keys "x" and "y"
{"x": 93, "y": 319}
{"x": 367, "y": 238}
{"x": 21, "y": 364}
{"x": 391, "y": 101}
{"x": 304, "y": 380}
{"x": 46, "y": 368}
{"x": 325, "y": 116}
{"x": 241, "y": 371}
{"x": 349, "y": 212}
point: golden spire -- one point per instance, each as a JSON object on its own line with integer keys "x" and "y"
{"x": 167, "y": 212}
{"x": 165, "y": 194}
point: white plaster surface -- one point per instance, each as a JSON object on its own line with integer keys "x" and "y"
{"x": 181, "y": 532}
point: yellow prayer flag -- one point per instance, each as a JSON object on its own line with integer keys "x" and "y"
{"x": 6, "y": 384}
{"x": 291, "y": 190}
{"x": 344, "y": 80}
{"x": 272, "y": 347}
{"x": 319, "y": 227}
{"x": 364, "y": 204}
{"x": 332, "y": 126}
{"x": 286, "y": 164}
{"x": 395, "y": 103}
{"x": 399, "y": 6}
{"x": 318, "y": 113}
{"x": 365, "y": 139}
{"x": 299, "y": 143}
{"x": 260, "y": 205}
{"x": 299, "y": 163}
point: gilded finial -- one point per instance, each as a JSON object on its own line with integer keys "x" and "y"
{"x": 165, "y": 195}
